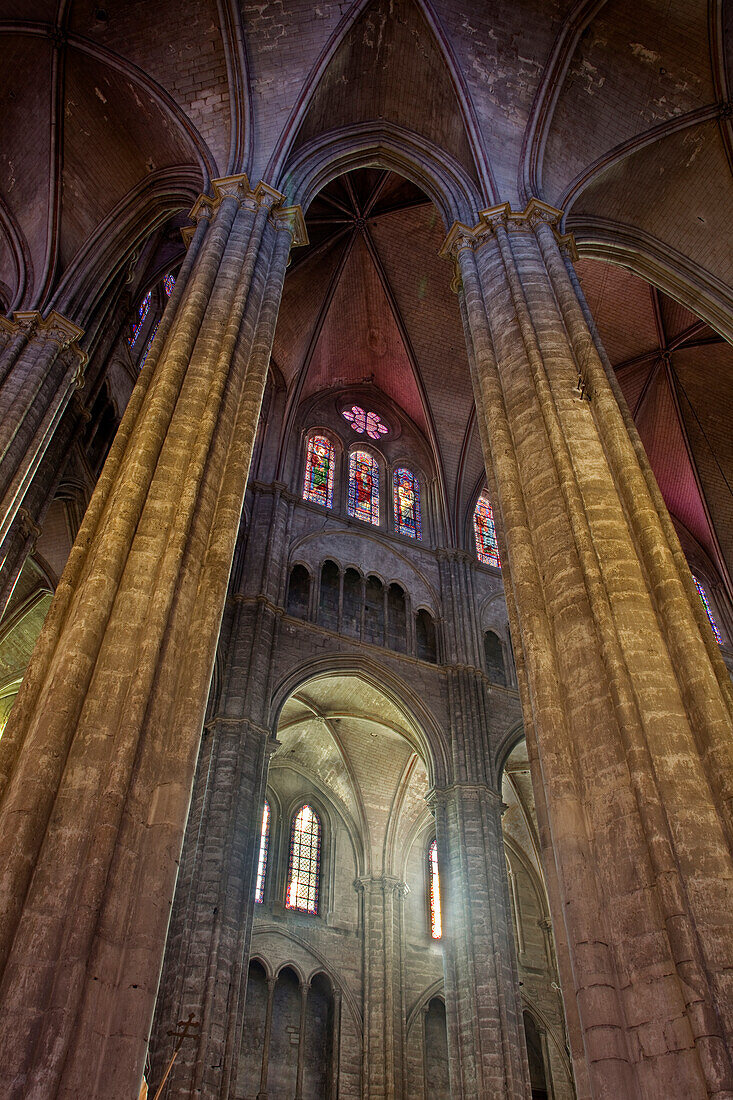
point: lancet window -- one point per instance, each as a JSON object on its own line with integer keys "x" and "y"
{"x": 305, "y": 862}
{"x": 436, "y": 920}
{"x": 262, "y": 859}
{"x": 319, "y": 470}
{"x": 142, "y": 312}
{"x": 363, "y": 487}
{"x": 487, "y": 548}
{"x": 148, "y": 345}
{"x": 406, "y": 495}
{"x": 708, "y": 610}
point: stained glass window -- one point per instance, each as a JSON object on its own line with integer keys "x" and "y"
{"x": 363, "y": 487}
{"x": 362, "y": 421}
{"x": 487, "y": 547}
{"x": 305, "y": 861}
{"x": 436, "y": 921}
{"x": 406, "y": 493}
{"x": 148, "y": 345}
{"x": 319, "y": 467}
{"x": 142, "y": 313}
{"x": 708, "y": 610}
{"x": 169, "y": 281}
{"x": 262, "y": 860}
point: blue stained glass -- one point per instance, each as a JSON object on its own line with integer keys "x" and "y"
{"x": 708, "y": 610}
{"x": 406, "y": 492}
{"x": 319, "y": 467}
{"x": 363, "y": 487}
{"x": 148, "y": 345}
{"x": 487, "y": 548}
{"x": 169, "y": 281}
{"x": 142, "y": 313}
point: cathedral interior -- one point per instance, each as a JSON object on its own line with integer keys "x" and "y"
{"x": 366, "y": 550}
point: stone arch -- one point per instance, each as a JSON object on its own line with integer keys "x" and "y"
{"x": 422, "y": 730}
{"x": 442, "y": 179}
{"x": 660, "y": 265}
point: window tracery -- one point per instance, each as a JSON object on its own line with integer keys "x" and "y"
{"x": 436, "y": 921}
{"x": 363, "y": 421}
{"x": 262, "y": 859}
{"x": 406, "y": 495}
{"x": 363, "y": 487}
{"x": 305, "y": 861}
{"x": 169, "y": 281}
{"x": 487, "y": 548}
{"x": 319, "y": 470}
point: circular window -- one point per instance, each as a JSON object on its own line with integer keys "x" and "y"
{"x": 363, "y": 422}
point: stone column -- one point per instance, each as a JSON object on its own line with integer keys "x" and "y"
{"x": 382, "y": 898}
{"x": 106, "y": 729}
{"x": 207, "y": 952}
{"x": 41, "y": 365}
{"x": 626, "y": 708}
{"x": 486, "y": 1050}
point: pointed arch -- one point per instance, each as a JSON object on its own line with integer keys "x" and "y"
{"x": 448, "y": 85}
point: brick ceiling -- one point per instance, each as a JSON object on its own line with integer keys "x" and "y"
{"x": 114, "y": 115}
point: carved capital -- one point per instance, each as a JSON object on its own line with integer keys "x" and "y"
{"x": 283, "y": 217}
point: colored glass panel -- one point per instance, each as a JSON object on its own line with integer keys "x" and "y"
{"x": 363, "y": 487}
{"x": 148, "y": 345}
{"x": 436, "y": 920}
{"x": 305, "y": 862}
{"x": 708, "y": 611}
{"x": 262, "y": 860}
{"x": 142, "y": 313}
{"x": 362, "y": 421}
{"x": 487, "y": 547}
{"x": 406, "y": 493}
{"x": 169, "y": 281}
{"x": 319, "y": 467}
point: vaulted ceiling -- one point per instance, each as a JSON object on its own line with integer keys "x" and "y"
{"x": 348, "y": 738}
{"x": 114, "y": 115}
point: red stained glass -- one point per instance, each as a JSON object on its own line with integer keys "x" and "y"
{"x": 487, "y": 547}
{"x": 142, "y": 313}
{"x": 305, "y": 862}
{"x": 362, "y": 421}
{"x": 319, "y": 467}
{"x": 169, "y": 281}
{"x": 363, "y": 487}
{"x": 406, "y": 494}
{"x": 436, "y": 920}
{"x": 262, "y": 860}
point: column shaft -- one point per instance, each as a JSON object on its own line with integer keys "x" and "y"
{"x": 485, "y": 1038}
{"x": 109, "y": 718}
{"x": 599, "y": 611}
